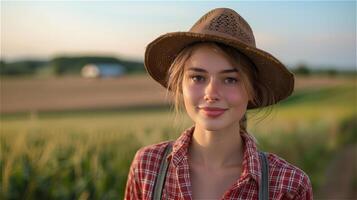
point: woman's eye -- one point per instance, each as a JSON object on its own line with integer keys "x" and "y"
{"x": 230, "y": 80}
{"x": 197, "y": 78}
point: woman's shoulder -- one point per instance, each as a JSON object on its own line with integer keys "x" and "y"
{"x": 144, "y": 169}
{"x": 150, "y": 155}
{"x": 288, "y": 177}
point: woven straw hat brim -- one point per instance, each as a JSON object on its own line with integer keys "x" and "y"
{"x": 161, "y": 52}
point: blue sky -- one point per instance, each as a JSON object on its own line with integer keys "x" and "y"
{"x": 319, "y": 33}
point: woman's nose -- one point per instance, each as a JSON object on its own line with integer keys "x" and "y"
{"x": 211, "y": 91}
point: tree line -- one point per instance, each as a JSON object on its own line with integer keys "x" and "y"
{"x": 66, "y": 65}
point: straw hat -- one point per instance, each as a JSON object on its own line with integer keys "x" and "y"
{"x": 221, "y": 25}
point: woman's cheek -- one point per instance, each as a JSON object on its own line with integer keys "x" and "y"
{"x": 189, "y": 97}
{"x": 233, "y": 97}
{"x": 191, "y": 91}
{"x": 236, "y": 96}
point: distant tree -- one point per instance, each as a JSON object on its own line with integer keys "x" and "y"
{"x": 2, "y": 67}
{"x": 134, "y": 67}
{"x": 2, "y": 63}
{"x": 65, "y": 65}
{"x": 24, "y": 67}
{"x": 331, "y": 72}
{"x": 302, "y": 69}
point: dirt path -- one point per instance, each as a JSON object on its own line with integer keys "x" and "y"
{"x": 341, "y": 176}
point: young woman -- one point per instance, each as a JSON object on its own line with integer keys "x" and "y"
{"x": 217, "y": 73}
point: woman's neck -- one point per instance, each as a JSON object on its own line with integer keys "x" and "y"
{"x": 216, "y": 149}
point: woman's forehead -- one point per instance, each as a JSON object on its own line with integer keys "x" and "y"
{"x": 210, "y": 57}
{"x": 207, "y": 46}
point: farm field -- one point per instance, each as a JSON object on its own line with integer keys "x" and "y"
{"x": 75, "y": 93}
{"x": 86, "y": 153}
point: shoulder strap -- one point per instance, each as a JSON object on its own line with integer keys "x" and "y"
{"x": 264, "y": 187}
{"x": 160, "y": 178}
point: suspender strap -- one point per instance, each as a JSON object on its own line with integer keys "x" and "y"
{"x": 264, "y": 187}
{"x": 160, "y": 179}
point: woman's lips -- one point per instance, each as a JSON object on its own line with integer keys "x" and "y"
{"x": 213, "y": 112}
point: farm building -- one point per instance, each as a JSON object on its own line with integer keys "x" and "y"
{"x": 102, "y": 70}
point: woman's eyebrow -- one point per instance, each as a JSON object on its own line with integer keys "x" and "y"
{"x": 204, "y": 71}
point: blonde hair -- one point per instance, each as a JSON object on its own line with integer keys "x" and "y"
{"x": 257, "y": 92}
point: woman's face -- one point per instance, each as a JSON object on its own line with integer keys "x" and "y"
{"x": 214, "y": 94}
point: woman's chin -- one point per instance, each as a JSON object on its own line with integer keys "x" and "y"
{"x": 212, "y": 126}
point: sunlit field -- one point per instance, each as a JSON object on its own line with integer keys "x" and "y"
{"x": 86, "y": 155}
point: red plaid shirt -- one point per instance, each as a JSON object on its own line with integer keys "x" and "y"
{"x": 285, "y": 180}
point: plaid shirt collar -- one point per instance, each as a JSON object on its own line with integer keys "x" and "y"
{"x": 251, "y": 165}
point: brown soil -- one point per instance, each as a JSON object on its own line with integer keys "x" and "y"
{"x": 24, "y": 95}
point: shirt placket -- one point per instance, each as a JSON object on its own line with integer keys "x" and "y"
{"x": 183, "y": 177}
{"x": 236, "y": 187}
